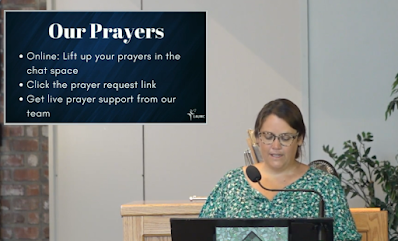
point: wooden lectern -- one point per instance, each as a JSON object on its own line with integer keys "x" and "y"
{"x": 151, "y": 221}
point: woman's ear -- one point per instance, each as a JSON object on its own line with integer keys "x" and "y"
{"x": 300, "y": 141}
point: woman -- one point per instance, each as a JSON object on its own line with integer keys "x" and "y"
{"x": 280, "y": 132}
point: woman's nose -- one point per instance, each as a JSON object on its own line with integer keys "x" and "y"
{"x": 276, "y": 144}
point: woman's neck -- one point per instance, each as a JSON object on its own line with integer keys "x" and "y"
{"x": 287, "y": 170}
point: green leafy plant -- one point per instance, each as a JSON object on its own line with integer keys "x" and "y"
{"x": 360, "y": 173}
{"x": 393, "y": 103}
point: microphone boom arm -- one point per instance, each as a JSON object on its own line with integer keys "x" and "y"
{"x": 321, "y": 202}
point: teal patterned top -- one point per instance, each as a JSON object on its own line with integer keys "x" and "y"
{"x": 233, "y": 197}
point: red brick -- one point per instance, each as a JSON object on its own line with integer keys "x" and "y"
{"x": 44, "y": 145}
{"x": 26, "y": 233}
{"x": 18, "y": 218}
{"x": 12, "y": 190}
{"x": 45, "y": 173}
{"x": 46, "y": 205}
{"x": 26, "y": 175}
{"x": 12, "y": 160}
{"x": 32, "y": 131}
{"x": 12, "y": 218}
{"x": 45, "y": 188}
{"x": 5, "y": 204}
{"x": 5, "y": 175}
{"x": 26, "y": 204}
{"x": 33, "y": 160}
{"x": 44, "y": 131}
{"x": 32, "y": 190}
{"x": 25, "y": 145}
{"x": 46, "y": 218}
{"x": 19, "y": 2}
{"x": 46, "y": 232}
{"x": 6, "y": 233}
{"x": 45, "y": 160}
{"x": 33, "y": 218}
{"x": 13, "y": 131}
{"x": 43, "y": 5}
{"x": 6, "y": 218}
{"x": 5, "y": 145}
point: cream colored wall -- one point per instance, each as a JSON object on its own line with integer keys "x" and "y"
{"x": 93, "y": 169}
{"x": 353, "y": 63}
{"x": 257, "y": 51}
{"x": 254, "y": 55}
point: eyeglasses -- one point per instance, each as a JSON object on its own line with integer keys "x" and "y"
{"x": 286, "y": 139}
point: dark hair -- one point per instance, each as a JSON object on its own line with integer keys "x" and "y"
{"x": 286, "y": 110}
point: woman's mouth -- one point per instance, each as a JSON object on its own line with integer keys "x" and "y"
{"x": 276, "y": 155}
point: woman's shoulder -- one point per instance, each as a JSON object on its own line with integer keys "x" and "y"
{"x": 318, "y": 173}
{"x": 232, "y": 178}
{"x": 234, "y": 173}
{"x": 321, "y": 177}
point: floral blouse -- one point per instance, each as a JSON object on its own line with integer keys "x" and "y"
{"x": 233, "y": 197}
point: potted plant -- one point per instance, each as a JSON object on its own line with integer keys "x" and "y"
{"x": 360, "y": 172}
{"x": 394, "y": 102}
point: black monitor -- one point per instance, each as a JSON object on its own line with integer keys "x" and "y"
{"x": 253, "y": 229}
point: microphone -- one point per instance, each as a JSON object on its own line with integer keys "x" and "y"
{"x": 254, "y": 175}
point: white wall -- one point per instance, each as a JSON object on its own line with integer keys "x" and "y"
{"x": 254, "y": 56}
{"x": 93, "y": 169}
{"x": 352, "y": 62}
{"x": 256, "y": 52}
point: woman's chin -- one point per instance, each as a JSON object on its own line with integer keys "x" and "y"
{"x": 276, "y": 163}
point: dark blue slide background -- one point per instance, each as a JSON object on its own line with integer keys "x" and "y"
{"x": 184, "y": 34}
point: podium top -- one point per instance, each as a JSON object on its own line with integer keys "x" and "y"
{"x": 153, "y": 208}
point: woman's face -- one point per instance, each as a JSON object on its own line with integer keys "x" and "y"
{"x": 276, "y": 155}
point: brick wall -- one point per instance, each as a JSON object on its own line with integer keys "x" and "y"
{"x": 24, "y": 164}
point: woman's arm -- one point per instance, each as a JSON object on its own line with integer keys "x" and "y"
{"x": 337, "y": 207}
{"x": 214, "y": 205}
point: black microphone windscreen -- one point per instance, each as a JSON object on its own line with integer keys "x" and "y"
{"x": 253, "y": 174}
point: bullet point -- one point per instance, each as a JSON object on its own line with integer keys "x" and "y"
{"x": 20, "y": 99}
{"x": 20, "y": 85}
{"x": 21, "y": 56}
